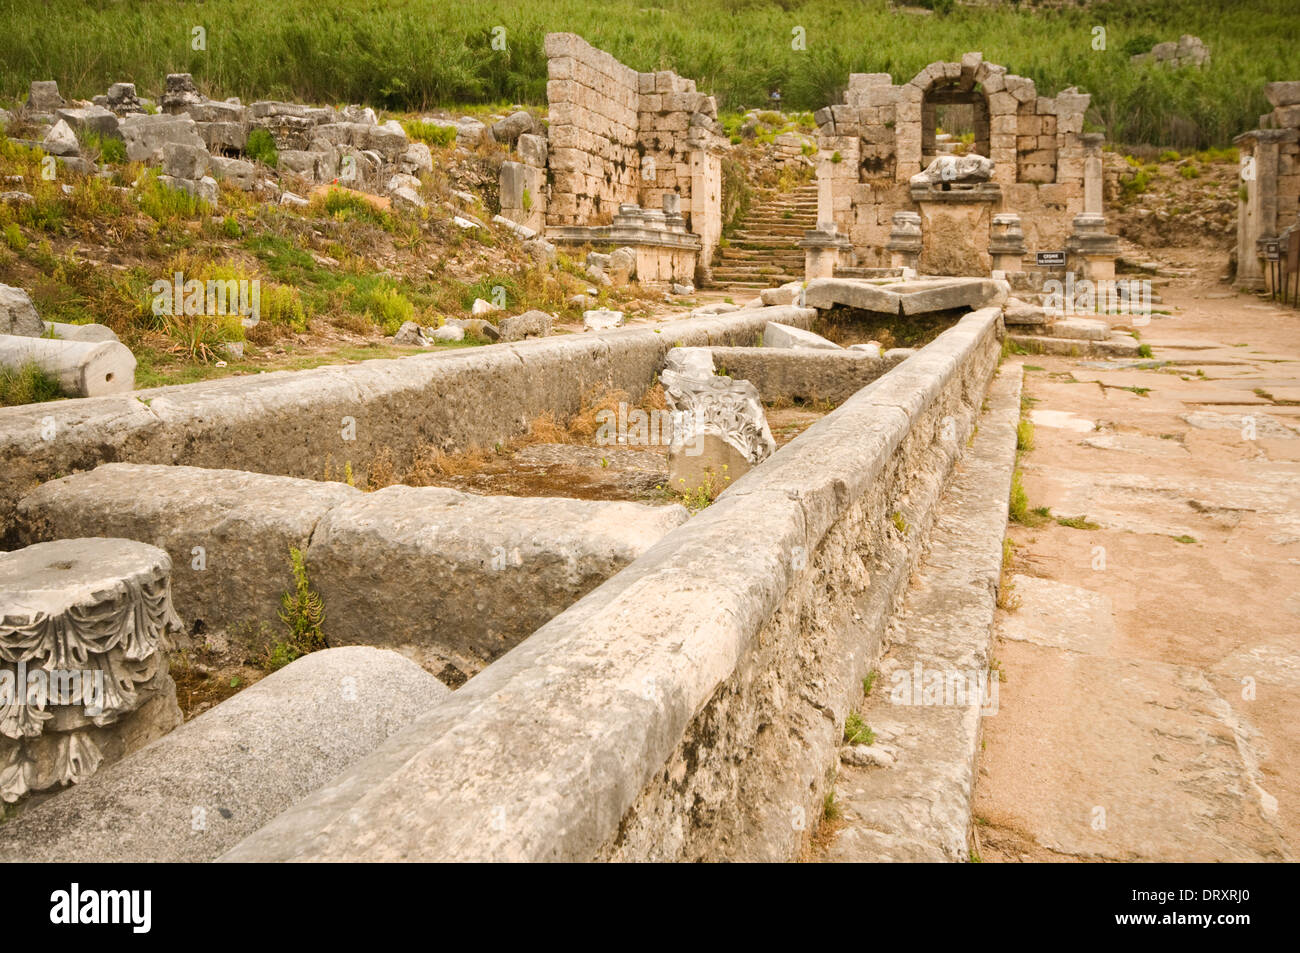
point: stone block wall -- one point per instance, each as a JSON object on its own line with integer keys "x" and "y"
{"x": 887, "y": 133}
{"x": 619, "y": 136}
{"x": 594, "y": 103}
{"x": 697, "y": 736}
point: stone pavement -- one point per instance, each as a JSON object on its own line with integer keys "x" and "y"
{"x": 1152, "y": 666}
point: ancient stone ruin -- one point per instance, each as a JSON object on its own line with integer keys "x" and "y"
{"x": 630, "y": 159}
{"x": 1038, "y": 164}
{"x": 1270, "y": 188}
{"x": 599, "y": 589}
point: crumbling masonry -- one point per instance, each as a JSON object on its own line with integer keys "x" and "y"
{"x": 1270, "y": 186}
{"x": 882, "y": 135}
{"x": 631, "y": 159}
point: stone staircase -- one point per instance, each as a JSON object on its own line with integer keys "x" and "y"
{"x": 763, "y": 252}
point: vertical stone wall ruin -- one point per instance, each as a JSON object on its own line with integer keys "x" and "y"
{"x": 594, "y": 110}
{"x": 1269, "y": 200}
{"x": 621, "y": 137}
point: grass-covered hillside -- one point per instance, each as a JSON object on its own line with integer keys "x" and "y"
{"x": 412, "y": 54}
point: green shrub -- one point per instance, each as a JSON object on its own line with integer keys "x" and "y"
{"x": 386, "y": 306}
{"x": 261, "y": 148}
{"x": 281, "y": 304}
{"x": 303, "y": 612}
{"x": 162, "y": 203}
{"x": 432, "y": 133}
{"x": 344, "y": 206}
{"x": 110, "y": 148}
{"x": 736, "y": 194}
{"x": 14, "y": 237}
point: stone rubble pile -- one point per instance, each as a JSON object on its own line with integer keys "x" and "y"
{"x": 1188, "y": 51}
{"x": 199, "y": 141}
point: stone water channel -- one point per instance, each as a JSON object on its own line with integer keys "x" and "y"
{"x": 464, "y": 585}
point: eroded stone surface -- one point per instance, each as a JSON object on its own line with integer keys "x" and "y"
{"x": 84, "y": 625}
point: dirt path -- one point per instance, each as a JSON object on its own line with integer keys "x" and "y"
{"x": 1152, "y": 668}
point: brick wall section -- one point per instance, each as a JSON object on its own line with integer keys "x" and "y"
{"x": 594, "y": 104}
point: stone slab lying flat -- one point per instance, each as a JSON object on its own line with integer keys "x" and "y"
{"x": 917, "y": 296}
{"x": 472, "y": 576}
{"x": 1079, "y": 329}
{"x": 1116, "y": 345}
{"x": 228, "y": 532}
{"x": 1129, "y": 760}
{"x": 917, "y": 808}
{"x": 468, "y": 575}
{"x": 783, "y": 336}
{"x": 199, "y": 790}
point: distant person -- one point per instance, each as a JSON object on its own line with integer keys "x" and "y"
{"x": 775, "y": 97}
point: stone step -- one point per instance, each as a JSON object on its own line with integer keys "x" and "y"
{"x": 778, "y": 278}
{"x": 753, "y": 274}
{"x": 753, "y": 254}
{"x": 1118, "y": 345}
{"x": 758, "y": 225}
{"x": 791, "y": 230}
{"x": 761, "y": 265}
{"x": 1072, "y": 328}
{"x": 760, "y": 243}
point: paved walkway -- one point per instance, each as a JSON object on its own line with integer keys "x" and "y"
{"x": 1152, "y": 668}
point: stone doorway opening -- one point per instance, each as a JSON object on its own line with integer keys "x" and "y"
{"x": 954, "y": 121}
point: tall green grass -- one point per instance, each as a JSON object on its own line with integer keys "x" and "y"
{"x": 412, "y": 54}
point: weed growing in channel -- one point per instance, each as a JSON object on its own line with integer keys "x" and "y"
{"x": 303, "y": 612}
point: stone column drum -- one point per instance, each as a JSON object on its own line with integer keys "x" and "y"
{"x": 84, "y": 626}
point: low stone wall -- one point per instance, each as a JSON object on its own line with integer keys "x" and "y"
{"x": 692, "y": 706}
{"x": 802, "y": 374}
{"x": 467, "y": 576}
{"x": 308, "y": 423}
